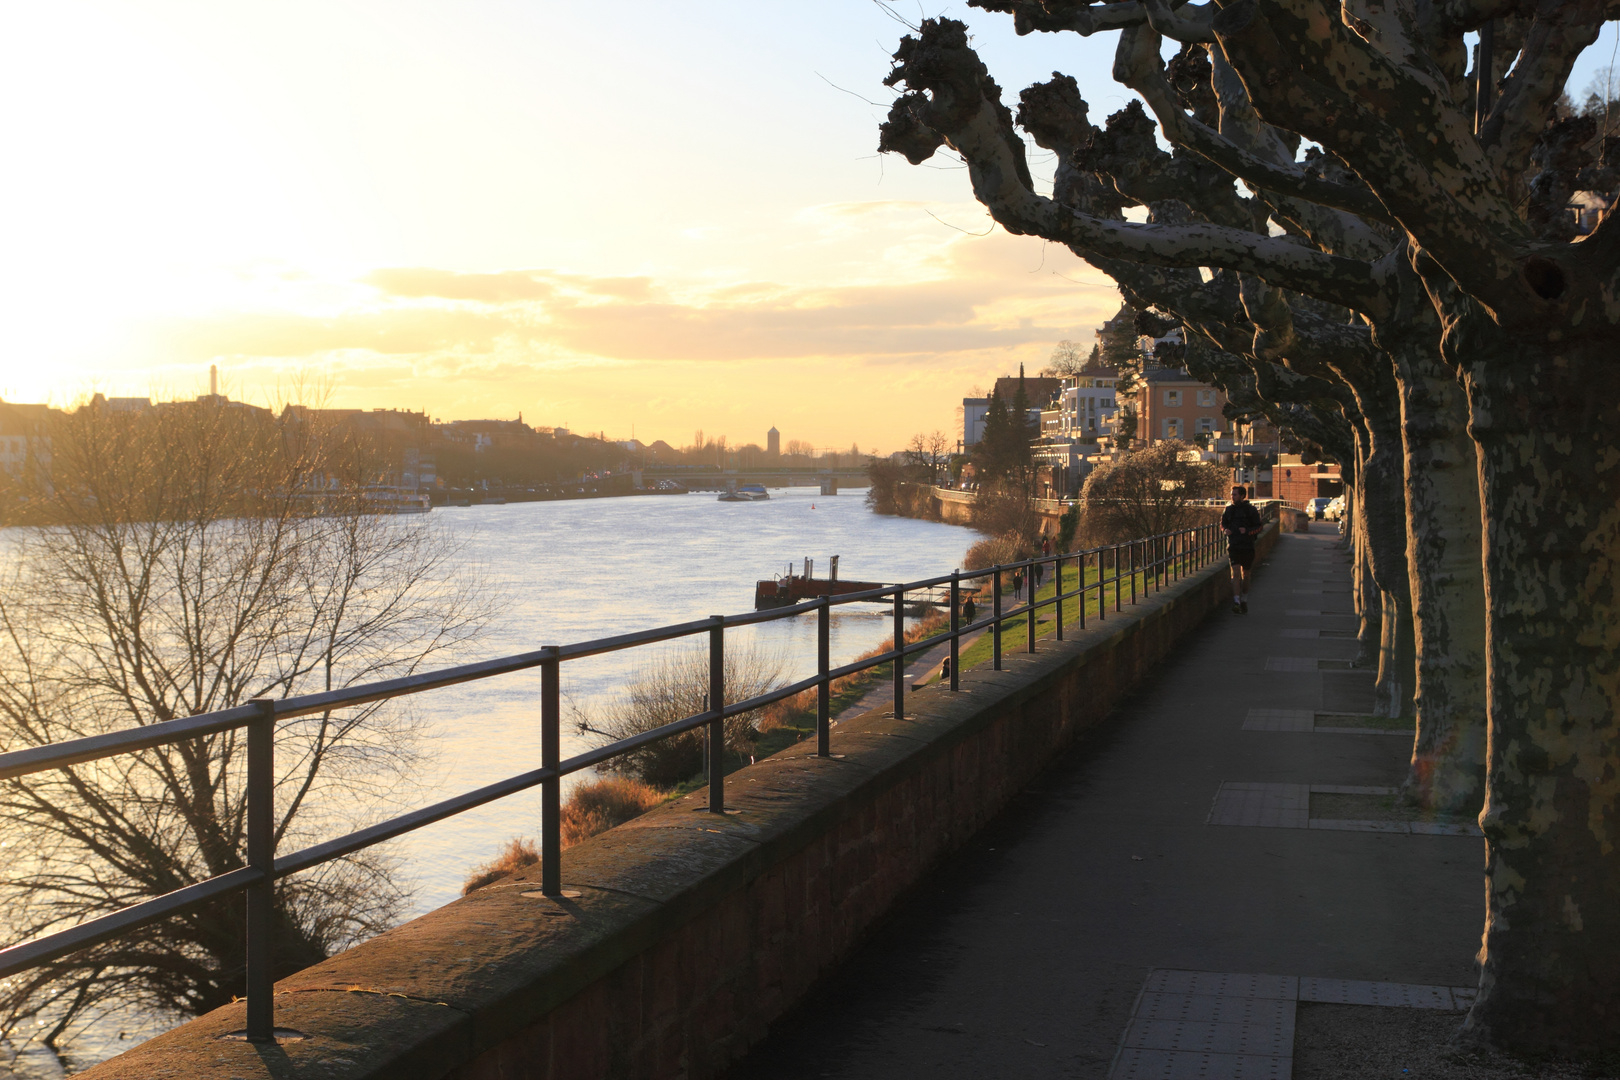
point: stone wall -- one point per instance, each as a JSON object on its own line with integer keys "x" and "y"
{"x": 684, "y": 934}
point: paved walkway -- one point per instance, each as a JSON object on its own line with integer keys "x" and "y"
{"x": 1113, "y": 881}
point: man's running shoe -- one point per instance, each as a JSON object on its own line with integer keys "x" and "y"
{"x": 1237, "y": 609}
{"x": 1244, "y": 607}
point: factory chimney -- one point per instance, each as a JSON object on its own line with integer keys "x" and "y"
{"x": 213, "y": 380}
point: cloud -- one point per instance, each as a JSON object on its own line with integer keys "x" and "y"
{"x": 393, "y": 331}
{"x": 923, "y": 321}
{"x": 423, "y": 282}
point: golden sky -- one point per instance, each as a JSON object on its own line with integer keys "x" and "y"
{"x": 654, "y": 216}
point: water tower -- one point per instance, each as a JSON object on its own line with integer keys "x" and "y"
{"x": 773, "y": 442}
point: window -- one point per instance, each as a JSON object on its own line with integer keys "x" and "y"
{"x": 1172, "y": 424}
{"x": 1206, "y": 425}
{"x": 1206, "y": 398}
{"x": 1172, "y": 398}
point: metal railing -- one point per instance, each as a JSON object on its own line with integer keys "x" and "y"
{"x": 1149, "y": 564}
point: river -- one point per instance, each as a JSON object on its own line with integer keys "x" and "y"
{"x": 569, "y": 571}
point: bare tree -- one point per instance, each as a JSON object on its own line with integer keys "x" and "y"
{"x": 191, "y": 559}
{"x": 1146, "y": 493}
{"x": 671, "y": 687}
{"x": 930, "y": 452}
{"x": 1067, "y": 359}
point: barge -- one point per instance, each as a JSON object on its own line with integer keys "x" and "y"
{"x": 788, "y": 589}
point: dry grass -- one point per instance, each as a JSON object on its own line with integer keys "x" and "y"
{"x": 518, "y": 853}
{"x": 590, "y": 809}
{"x": 594, "y": 808}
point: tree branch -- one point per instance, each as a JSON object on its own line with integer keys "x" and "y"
{"x": 954, "y": 101}
{"x": 1399, "y": 128}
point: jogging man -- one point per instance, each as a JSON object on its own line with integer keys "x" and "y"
{"x": 1241, "y": 524}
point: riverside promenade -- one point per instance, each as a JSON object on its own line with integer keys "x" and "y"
{"x": 1162, "y": 898}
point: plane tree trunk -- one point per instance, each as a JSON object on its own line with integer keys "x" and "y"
{"x": 1529, "y": 317}
{"x": 1443, "y": 548}
{"x": 1543, "y": 418}
{"x": 1382, "y": 475}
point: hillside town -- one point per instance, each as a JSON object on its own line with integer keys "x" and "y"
{"x": 1131, "y": 392}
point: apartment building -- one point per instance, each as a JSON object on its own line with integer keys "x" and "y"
{"x": 1039, "y": 390}
{"x": 1171, "y": 404}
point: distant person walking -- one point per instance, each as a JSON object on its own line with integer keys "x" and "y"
{"x": 1241, "y": 523}
{"x": 1018, "y": 584}
{"x": 970, "y": 610}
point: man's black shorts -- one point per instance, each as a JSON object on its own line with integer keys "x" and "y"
{"x": 1244, "y": 559}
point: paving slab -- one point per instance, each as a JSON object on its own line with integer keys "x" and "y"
{"x": 1221, "y": 1026}
{"x": 1026, "y": 953}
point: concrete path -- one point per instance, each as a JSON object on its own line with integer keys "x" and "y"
{"x": 921, "y": 669}
{"x": 1025, "y": 954}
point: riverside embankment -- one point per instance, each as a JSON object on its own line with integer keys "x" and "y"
{"x": 688, "y": 932}
{"x": 563, "y": 571}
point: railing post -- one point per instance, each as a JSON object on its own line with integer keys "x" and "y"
{"x": 261, "y": 856}
{"x": 899, "y": 661}
{"x": 1102, "y": 590}
{"x": 956, "y": 628}
{"x": 1134, "y": 561}
{"x": 824, "y": 686}
{"x": 1029, "y": 607}
{"x": 995, "y": 612}
{"x": 1080, "y": 588}
{"x": 717, "y": 704}
{"x": 1119, "y": 583}
{"x": 550, "y": 758}
{"x": 1057, "y": 594}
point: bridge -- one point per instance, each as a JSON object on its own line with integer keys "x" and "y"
{"x": 715, "y": 479}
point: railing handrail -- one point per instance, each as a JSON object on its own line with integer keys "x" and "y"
{"x": 1173, "y": 553}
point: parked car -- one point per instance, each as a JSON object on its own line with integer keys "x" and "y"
{"x": 1317, "y": 508}
{"x": 1335, "y": 509}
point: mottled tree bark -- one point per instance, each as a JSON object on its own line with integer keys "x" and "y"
{"x": 1448, "y": 585}
{"x": 1530, "y": 315}
{"x": 1382, "y": 476}
{"x": 1542, "y": 418}
{"x": 1364, "y": 590}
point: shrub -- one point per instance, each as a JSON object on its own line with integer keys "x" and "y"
{"x": 994, "y": 550}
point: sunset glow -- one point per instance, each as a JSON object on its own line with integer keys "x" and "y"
{"x": 676, "y": 221}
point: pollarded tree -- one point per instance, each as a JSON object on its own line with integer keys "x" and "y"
{"x": 1522, "y": 313}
